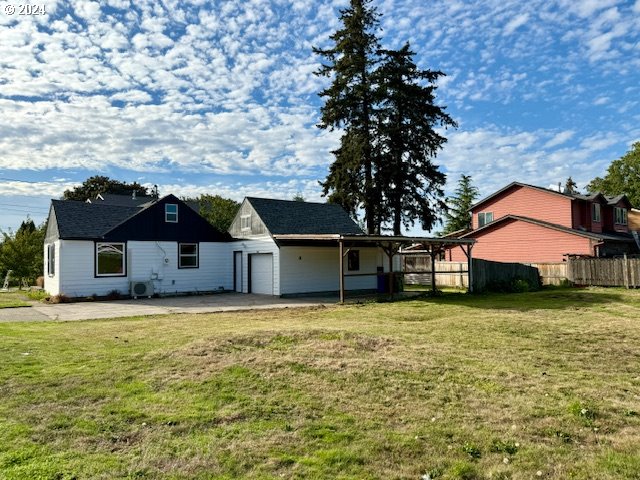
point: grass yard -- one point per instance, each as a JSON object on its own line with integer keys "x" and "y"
{"x": 521, "y": 386}
{"x": 13, "y": 298}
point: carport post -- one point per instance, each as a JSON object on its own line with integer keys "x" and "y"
{"x": 341, "y": 251}
{"x": 469, "y": 268}
{"x": 433, "y": 269}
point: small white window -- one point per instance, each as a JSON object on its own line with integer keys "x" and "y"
{"x": 188, "y": 255}
{"x": 171, "y": 213}
{"x": 621, "y": 216}
{"x": 484, "y": 218}
{"x": 51, "y": 259}
{"x": 110, "y": 260}
{"x": 245, "y": 222}
{"x": 595, "y": 212}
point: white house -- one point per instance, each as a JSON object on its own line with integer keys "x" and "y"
{"x": 101, "y": 247}
{"x": 287, "y": 247}
{"x": 144, "y": 246}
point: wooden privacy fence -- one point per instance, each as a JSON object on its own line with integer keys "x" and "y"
{"x": 448, "y": 274}
{"x": 605, "y": 272}
{"x": 454, "y": 274}
{"x": 551, "y": 273}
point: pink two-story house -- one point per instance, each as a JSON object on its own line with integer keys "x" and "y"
{"x": 529, "y": 224}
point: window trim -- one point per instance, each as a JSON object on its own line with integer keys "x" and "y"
{"x": 356, "y": 253}
{"x": 483, "y": 222}
{"x": 596, "y": 213}
{"x": 624, "y": 219}
{"x": 51, "y": 259}
{"x": 167, "y": 213}
{"x": 242, "y": 221}
{"x": 181, "y": 255}
{"x": 124, "y": 260}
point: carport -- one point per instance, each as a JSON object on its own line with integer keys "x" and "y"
{"x": 389, "y": 244}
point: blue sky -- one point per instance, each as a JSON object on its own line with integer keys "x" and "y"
{"x": 220, "y": 97}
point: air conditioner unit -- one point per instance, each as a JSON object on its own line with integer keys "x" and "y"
{"x": 142, "y": 289}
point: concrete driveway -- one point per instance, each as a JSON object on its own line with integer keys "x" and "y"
{"x": 220, "y": 302}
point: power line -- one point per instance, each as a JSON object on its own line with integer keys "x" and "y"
{"x": 25, "y": 206}
{"x": 5, "y": 179}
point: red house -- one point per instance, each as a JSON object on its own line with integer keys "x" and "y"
{"x": 529, "y": 224}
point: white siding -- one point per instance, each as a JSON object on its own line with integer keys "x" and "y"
{"x": 261, "y": 245}
{"x": 145, "y": 261}
{"x": 52, "y": 283}
{"x": 316, "y": 269}
{"x": 77, "y": 271}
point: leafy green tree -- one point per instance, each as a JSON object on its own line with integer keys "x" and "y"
{"x": 97, "y": 184}
{"x": 411, "y": 185}
{"x": 298, "y": 197}
{"x": 458, "y": 216}
{"x": 623, "y": 176}
{"x": 22, "y": 252}
{"x": 349, "y": 105}
{"x": 218, "y": 211}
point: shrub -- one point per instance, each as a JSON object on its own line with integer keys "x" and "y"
{"x": 114, "y": 295}
{"x": 61, "y": 298}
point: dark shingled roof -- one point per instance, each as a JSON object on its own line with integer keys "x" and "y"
{"x": 82, "y": 220}
{"x": 304, "y": 218}
{"x": 122, "y": 200}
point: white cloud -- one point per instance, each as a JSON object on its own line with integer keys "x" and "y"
{"x": 516, "y": 22}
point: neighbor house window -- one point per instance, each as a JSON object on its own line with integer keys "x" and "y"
{"x": 353, "y": 260}
{"x": 595, "y": 212}
{"x": 171, "y": 213}
{"x": 245, "y": 222}
{"x": 51, "y": 259}
{"x": 110, "y": 260}
{"x": 484, "y": 218}
{"x": 621, "y": 216}
{"x": 188, "y": 255}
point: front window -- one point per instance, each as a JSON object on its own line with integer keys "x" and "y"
{"x": 171, "y": 213}
{"x": 595, "y": 212}
{"x": 51, "y": 259}
{"x": 353, "y": 260}
{"x": 110, "y": 260}
{"x": 484, "y": 218}
{"x": 188, "y": 255}
{"x": 245, "y": 222}
{"x": 621, "y": 216}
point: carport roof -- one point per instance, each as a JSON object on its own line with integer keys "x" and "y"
{"x": 370, "y": 239}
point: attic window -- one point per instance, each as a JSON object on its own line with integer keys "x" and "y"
{"x": 245, "y": 222}
{"x": 171, "y": 213}
{"x": 595, "y": 212}
{"x": 621, "y": 216}
{"x": 484, "y": 218}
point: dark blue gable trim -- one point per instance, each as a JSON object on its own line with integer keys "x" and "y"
{"x": 150, "y": 225}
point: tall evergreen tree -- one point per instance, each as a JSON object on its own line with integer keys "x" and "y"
{"x": 350, "y": 105}
{"x": 410, "y": 183}
{"x": 458, "y": 216}
{"x": 570, "y": 186}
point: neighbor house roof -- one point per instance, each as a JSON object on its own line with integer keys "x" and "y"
{"x": 82, "y": 220}
{"x": 121, "y": 200}
{"x": 307, "y": 218}
{"x": 618, "y": 237}
{"x": 572, "y": 196}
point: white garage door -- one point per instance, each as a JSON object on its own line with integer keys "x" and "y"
{"x": 262, "y": 273}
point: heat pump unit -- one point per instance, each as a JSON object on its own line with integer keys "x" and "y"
{"x": 141, "y": 289}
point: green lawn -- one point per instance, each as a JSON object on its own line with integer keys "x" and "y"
{"x": 13, "y": 298}
{"x": 522, "y": 386}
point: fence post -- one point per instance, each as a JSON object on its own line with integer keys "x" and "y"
{"x": 625, "y": 271}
